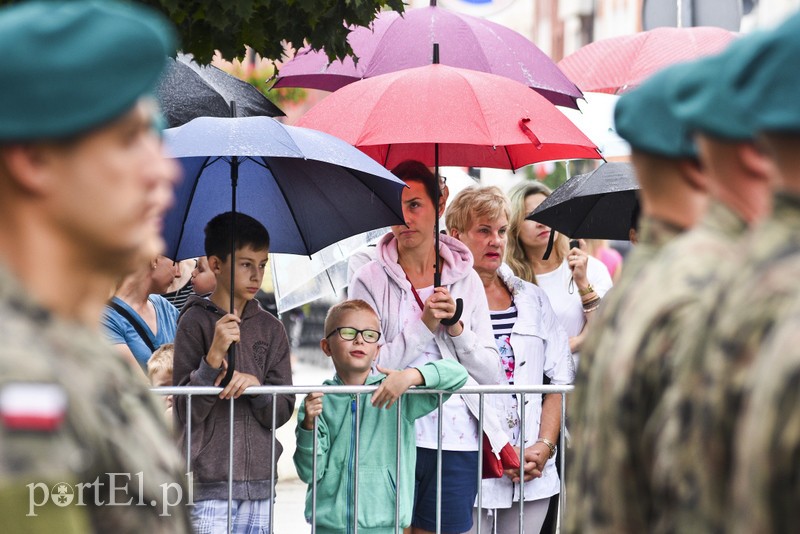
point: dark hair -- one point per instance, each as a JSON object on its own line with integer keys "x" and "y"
{"x": 249, "y": 232}
{"x": 415, "y": 171}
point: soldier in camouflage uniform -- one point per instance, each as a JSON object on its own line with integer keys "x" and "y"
{"x": 671, "y": 202}
{"x": 632, "y": 374}
{"x": 83, "y": 187}
{"x": 752, "y": 305}
{"x": 684, "y": 481}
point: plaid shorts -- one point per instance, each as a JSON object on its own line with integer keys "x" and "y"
{"x": 247, "y": 517}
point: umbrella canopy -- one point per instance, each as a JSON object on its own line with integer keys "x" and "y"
{"x": 595, "y": 118}
{"x": 596, "y": 205}
{"x": 619, "y": 64}
{"x": 395, "y": 42}
{"x": 469, "y": 118}
{"x": 187, "y": 91}
{"x": 307, "y": 188}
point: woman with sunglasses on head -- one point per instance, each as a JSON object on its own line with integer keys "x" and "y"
{"x": 398, "y": 283}
{"x": 574, "y": 281}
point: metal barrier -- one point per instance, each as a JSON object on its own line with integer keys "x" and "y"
{"x": 274, "y": 391}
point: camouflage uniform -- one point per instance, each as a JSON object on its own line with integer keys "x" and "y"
{"x": 111, "y": 424}
{"x": 767, "y": 438}
{"x": 695, "y": 450}
{"x": 653, "y": 235}
{"x": 612, "y": 487}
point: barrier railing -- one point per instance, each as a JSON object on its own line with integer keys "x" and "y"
{"x": 481, "y": 391}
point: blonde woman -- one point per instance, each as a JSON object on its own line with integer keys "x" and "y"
{"x": 532, "y": 344}
{"x": 573, "y": 281}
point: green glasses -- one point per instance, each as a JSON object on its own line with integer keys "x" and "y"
{"x": 349, "y": 333}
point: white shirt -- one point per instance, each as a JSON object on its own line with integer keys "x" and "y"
{"x": 566, "y": 305}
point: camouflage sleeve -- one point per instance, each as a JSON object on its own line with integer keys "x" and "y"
{"x": 766, "y": 488}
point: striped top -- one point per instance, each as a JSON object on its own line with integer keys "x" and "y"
{"x": 502, "y": 324}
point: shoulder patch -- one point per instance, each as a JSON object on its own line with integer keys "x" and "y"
{"x": 32, "y": 406}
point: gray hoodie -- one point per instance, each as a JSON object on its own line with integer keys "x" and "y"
{"x": 263, "y": 351}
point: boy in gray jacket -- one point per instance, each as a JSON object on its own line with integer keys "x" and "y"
{"x": 206, "y": 329}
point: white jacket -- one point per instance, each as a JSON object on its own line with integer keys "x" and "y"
{"x": 541, "y": 347}
{"x": 383, "y": 284}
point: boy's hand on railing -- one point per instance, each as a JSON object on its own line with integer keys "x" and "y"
{"x": 394, "y": 385}
{"x": 313, "y": 408}
{"x": 237, "y": 385}
{"x": 226, "y": 332}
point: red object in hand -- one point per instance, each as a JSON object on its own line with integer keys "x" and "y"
{"x": 493, "y": 467}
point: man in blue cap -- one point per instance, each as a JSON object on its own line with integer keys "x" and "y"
{"x": 673, "y": 198}
{"x": 83, "y": 188}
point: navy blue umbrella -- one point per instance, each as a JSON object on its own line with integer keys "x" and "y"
{"x": 308, "y": 188}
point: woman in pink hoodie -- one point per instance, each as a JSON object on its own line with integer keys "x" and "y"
{"x": 398, "y": 284}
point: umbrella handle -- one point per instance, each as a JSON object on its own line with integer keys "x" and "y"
{"x": 456, "y": 316}
{"x": 231, "y": 364}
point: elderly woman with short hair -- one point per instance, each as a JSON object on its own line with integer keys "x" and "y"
{"x": 532, "y": 345}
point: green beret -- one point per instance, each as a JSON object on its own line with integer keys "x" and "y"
{"x": 766, "y": 77}
{"x": 707, "y": 98}
{"x": 75, "y": 65}
{"x": 644, "y": 118}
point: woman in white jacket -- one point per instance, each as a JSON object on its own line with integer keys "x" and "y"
{"x": 532, "y": 345}
{"x": 399, "y": 285}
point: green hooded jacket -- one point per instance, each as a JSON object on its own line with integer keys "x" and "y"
{"x": 377, "y": 453}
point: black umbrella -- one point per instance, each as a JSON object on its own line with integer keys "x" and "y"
{"x": 187, "y": 91}
{"x": 595, "y": 205}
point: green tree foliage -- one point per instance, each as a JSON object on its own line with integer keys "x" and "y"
{"x": 264, "y": 25}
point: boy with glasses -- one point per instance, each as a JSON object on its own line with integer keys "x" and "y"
{"x": 353, "y": 332}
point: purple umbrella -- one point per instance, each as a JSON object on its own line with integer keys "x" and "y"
{"x": 396, "y": 42}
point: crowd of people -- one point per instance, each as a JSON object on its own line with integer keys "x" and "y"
{"x": 684, "y": 416}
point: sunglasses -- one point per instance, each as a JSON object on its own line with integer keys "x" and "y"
{"x": 349, "y": 333}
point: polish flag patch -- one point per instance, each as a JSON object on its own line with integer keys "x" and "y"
{"x": 36, "y": 407}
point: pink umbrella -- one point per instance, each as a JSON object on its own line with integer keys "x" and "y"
{"x": 395, "y": 42}
{"x": 464, "y": 117}
{"x": 619, "y": 64}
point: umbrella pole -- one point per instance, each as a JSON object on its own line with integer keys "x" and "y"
{"x": 437, "y": 271}
{"x": 234, "y": 182}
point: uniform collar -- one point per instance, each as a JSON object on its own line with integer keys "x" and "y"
{"x": 657, "y": 232}
{"x": 786, "y": 208}
{"x": 722, "y": 219}
{"x": 13, "y": 294}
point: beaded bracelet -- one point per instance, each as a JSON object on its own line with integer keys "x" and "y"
{"x": 590, "y": 302}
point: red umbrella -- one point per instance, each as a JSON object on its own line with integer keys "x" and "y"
{"x": 473, "y": 118}
{"x": 394, "y": 42}
{"x": 619, "y": 64}
{"x": 443, "y": 115}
